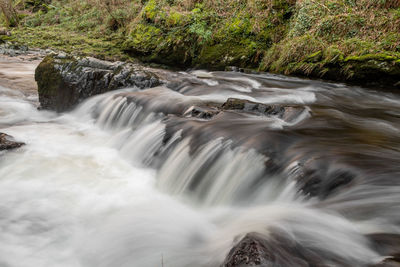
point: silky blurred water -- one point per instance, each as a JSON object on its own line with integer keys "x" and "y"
{"x": 103, "y": 186}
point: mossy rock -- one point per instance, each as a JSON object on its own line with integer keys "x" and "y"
{"x": 380, "y": 68}
{"x": 64, "y": 81}
{"x": 151, "y": 44}
{"x": 50, "y": 82}
{"x": 220, "y": 55}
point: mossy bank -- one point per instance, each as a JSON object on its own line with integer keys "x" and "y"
{"x": 333, "y": 39}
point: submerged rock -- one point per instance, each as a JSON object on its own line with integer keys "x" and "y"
{"x": 203, "y": 112}
{"x": 64, "y": 81}
{"x": 250, "y": 106}
{"x": 389, "y": 245}
{"x": 283, "y": 112}
{"x": 7, "y": 142}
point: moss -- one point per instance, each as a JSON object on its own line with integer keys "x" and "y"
{"x": 368, "y": 57}
{"x": 143, "y": 39}
{"x": 48, "y": 78}
{"x": 176, "y": 19}
{"x": 151, "y": 44}
{"x": 314, "y": 57}
{"x": 57, "y": 38}
{"x": 150, "y": 10}
{"x": 237, "y": 26}
{"x": 153, "y": 12}
{"x": 333, "y": 55}
{"x": 241, "y": 54}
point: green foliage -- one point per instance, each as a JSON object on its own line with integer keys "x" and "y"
{"x": 201, "y": 24}
{"x": 150, "y": 10}
{"x": 306, "y": 37}
{"x": 304, "y": 18}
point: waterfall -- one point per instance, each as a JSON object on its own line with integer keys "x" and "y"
{"x": 136, "y": 178}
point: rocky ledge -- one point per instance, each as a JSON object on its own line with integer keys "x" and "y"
{"x": 64, "y": 81}
{"x": 7, "y": 142}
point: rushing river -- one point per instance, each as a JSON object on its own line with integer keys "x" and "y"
{"x": 133, "y": 178}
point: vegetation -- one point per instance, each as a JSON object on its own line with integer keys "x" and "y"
{"x": 342, "y": 39}
{"x": 9, "y": 13}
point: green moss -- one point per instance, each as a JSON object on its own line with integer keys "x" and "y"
{"x": 333, "y": 55}
{"x": 176, "y": 19}
{"x": 48, "y": 78}
{"x": 368, "y": 57}
{"x": 237, "y": 26}
{"x": 314, "y": 57}
{"x": 143, "y": 38}
{"x": 57, "y": 38}
{"x": 216, "y": 56}
{"x": 150, "y": 10}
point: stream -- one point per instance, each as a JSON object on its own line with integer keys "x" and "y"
{"x": 137, "y": 178}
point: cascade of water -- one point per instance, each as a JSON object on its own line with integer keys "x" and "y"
{"x": 108, "y": 184}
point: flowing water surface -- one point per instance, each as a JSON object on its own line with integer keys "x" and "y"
{"x": 134, "y": 178}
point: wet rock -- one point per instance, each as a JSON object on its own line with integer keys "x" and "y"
{"x": 249, "y": 106}
{"x": 388, "y": 245}
{"x": 64, "y": 81}
{"x": 252, "y": 250}
{"x": 203, "y": 112}
{"x": 278, "y": 250}
{"x": 284, "y": 112}
{"x": 392, "y": 261}
{"x": 7, "y": 142}
{"x": 314, "y": 180}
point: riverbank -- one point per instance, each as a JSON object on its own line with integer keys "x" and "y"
{"x": 352, "y": 41}
{"x": 18, "y": 72}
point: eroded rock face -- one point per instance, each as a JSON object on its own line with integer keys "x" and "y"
{"x": 64, "y": 81}
{"x": 7, "y": 142}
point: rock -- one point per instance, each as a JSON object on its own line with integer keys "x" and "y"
{"x": 7, "y": 142}
{"x": 249, "y": 106}
{"x": 202, "y": 112}
{"x": 389, "y": 245}
{"x": 278, "y": 250}
{"x": 315, "y": 180}
{"x": 393, "y": 261}
{"x": 284, "y": 112}
{"x": 64, "y": 81}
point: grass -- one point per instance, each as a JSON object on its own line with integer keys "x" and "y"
{"x": 307, "y": 37}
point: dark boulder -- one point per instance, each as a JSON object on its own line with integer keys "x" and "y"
{"x": 64, "y": 81}
{"x": 252, "y": 250}
{"x": 7, "y": 142}
{"x": 279, "y": 250}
